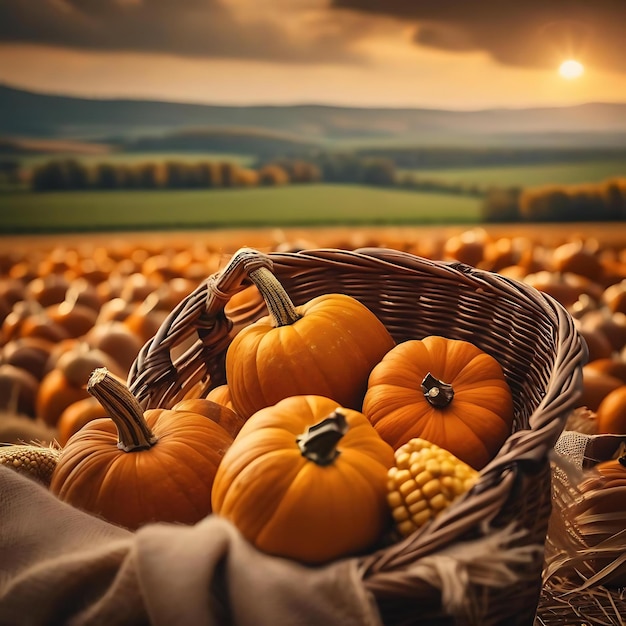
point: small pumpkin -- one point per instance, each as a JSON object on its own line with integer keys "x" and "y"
{"x": 29, "y": 353}
{"x": 116, "y": 339}
{"x": 596, "y": 386}
{"x": 614, "y": 367}
{"x": 326, "y": 347}
{"x": 221, "y": 395}
{"x": 614, "y": 296}
{"x": 65, "y": 383}
{"x": 216, "y": 411}
{"x": 76, "y": 415}
{"x": 75, "y": 318}
{"x": 446, "y": 391}
{"x": 146, "y": 317}
{"x": 18, "y": 389}
{"x": 306, "y": 479}
{"x": 139, "y": 467}
{"x": 577, "y": 257}
{"x": 611, "y": 414}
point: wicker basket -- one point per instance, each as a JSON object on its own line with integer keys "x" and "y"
{"x": 480, "y": 562}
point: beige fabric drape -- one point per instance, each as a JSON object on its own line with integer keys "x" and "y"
{"x": 61, "y": 566}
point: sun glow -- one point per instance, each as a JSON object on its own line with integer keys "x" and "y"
{"x": 571, "y": 69}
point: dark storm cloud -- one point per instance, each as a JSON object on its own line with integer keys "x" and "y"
{"x": 194, "y": 28}
{"x": 529, "y": 33}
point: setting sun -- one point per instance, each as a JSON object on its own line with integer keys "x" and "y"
{"x": 571, "y": 69}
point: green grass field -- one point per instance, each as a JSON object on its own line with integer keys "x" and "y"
{"x": 312, "y": 205}
{"x": 529, "y": 175}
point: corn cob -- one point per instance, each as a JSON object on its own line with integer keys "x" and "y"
{"x": 425, "y": 480}
{"x": 35, "y": 461}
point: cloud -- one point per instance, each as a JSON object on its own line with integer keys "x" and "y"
{"x": 193, "y": 28}
{"x": 533, "y": 33}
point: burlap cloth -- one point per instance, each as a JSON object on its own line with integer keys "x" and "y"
{"x": 61, "y": 566}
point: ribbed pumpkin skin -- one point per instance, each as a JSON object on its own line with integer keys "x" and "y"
{"x": 473, "y": 426}
{"x": 169, "y": 482}
{"x": 290, "y": 506}
{"x": 329, "y": 351}
{"x": 221, "y": 414}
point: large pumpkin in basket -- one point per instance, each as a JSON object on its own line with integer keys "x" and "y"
{"x": 143, "y": 466}
{"x": 446, "y": 391}
{"x": 326, "y": 347}
{"x": 306, "y": 479}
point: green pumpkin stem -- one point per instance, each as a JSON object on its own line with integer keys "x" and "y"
{"x": 319, "y": 442}
{"x": 438, "y": 393}
{"x": 123, "y": 408}
{"x": 279, "y": 304}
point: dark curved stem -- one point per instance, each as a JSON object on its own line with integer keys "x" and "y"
{"x": 438, "y": 393}
{"x": 319, "y": 442}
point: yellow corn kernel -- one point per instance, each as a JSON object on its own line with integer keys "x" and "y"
{"x": 419, "y": 519}
{"x": 417, "y": 507}
{"x": 421, "y": 477}
{"x": 424, "y": 482}
{"x": 431, "y": 488}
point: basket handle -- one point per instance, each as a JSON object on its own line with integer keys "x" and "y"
{"x": 155, "y": 377}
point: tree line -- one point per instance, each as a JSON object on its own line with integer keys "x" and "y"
{"x": 605, "y": 201}
{"x": 74, "y": 174}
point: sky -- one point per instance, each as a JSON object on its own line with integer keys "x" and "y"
{"x": 452, "y": 54}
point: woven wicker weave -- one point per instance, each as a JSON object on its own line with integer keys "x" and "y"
{"x": 480, "y": 562}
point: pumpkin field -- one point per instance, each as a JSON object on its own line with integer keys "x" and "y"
{"x": 114, "y": 347}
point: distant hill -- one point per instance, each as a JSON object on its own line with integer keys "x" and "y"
{"x": 261, "y": 143}
{"x": 136, "y": 122}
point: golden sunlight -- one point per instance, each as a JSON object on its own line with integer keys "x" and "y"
{"x": 571, "y": 69}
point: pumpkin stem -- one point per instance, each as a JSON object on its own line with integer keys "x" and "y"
{"x": 279, "y": 304}
{"x": 319, "y": 442}
{"x": 438, "y": 393}
{"x": 123, "y": 408}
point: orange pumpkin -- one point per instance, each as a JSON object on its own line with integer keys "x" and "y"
{"x": 140, "y": 467}
{"x": 116, "y": 339}
{"x": 65, "y": 383}
{"x": 216, "y": 411}
{"x": 446, "y": 391}
{"x": 18, "y": 389}
{"x": 75, "y": 318}
{"x": 221, "y": 395}
{"x": 614, "y": 367}
{"x": 29, "y": 353}
{"x": 614, "y": 296}
{"x": 596, "y": 386}
{"x": 306, "y": 479}
{"x": 611, "y": 414}
{"x": 325, "y": 347}
{"x": 76, "y": 415}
